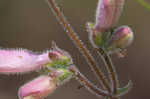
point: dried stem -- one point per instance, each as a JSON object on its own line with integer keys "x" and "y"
{"x": 106, "y": 58}
{"x": 79, "y": 44}
{"x": 86, "y": 83}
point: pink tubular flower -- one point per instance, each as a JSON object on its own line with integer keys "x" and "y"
{"x": 37, "y": 88}
{"x": 16, "y": 61}
{"x": 108, "y": 12}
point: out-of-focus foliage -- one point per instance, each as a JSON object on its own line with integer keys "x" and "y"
{"x": 144, "y": 4}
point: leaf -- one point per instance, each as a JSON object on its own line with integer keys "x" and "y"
{"x": 144, "y": 4}
{"x": 124, "y": 90}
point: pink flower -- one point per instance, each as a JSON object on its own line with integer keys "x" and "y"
{"x": 121, "y": 38}
{"x": 37, "y": 88}
{"x": 108, "y": 12}
{"x": 15, "y": 61}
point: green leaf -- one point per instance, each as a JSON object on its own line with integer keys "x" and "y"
{"x": 124, "y": 90}
{"x": 144, "y": 4}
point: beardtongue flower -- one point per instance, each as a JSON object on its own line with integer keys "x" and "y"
{"x": 38, "y": 88}
{"x": 16, "y": 61}
{"x": 121, "y": 38}
{"x": 108, "y": 12}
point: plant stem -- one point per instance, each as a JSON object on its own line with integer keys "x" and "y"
{"x": 79, "y": 44}
{"x": 106, "y": 58}
{"x": 86, "y": 83}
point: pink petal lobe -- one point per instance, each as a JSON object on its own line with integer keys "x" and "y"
{"x": 15, "y": 61}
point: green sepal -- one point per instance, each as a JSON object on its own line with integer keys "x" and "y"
{"x": 98, "y": 40}
{"x": 61, "y": 63}
{"x": 44, "y": 71}
{"x": 124, "y": 90}
{"x": 65, "y": 76}
{"x": 90, "y": 24}
{"x": 96, "y": 36}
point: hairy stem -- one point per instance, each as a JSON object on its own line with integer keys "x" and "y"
{"x": 86, "y": 83}
{"x": 79, "y": 44}
{"x": 106, "y": 58}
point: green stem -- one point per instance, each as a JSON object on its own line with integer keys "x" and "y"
{"x": 79, "y": 44}
{"x": 87, "y": 84}
{"x": 106, "y": 58}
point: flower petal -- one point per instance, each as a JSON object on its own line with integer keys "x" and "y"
{"x": 15, "y": 61}
{"x": 108, "y": 12}
{"x": 37, "y": 88}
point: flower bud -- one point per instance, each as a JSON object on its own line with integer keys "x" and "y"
{"x": 121, "y": 38}
{"x": 37, "y": 88}
{"x": 108, "y": 12}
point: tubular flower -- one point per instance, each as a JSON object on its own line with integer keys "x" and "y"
{"x": 38, "y": 88}
{"x": 16, "y": 61}
{"x": 53, "y": 66}
{"x": 107, "y": 14}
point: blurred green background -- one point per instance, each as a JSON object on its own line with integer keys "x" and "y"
{"x": 30, "y": 24}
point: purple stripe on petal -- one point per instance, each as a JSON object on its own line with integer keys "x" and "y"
{"x": 15, "y": 61}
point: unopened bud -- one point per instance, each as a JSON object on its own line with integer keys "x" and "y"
{"x": 37, "y": 88}
{"x": 121, "y": 38}
{"x": 108, "y": 12}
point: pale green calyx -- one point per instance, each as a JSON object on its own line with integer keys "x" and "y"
{"x": 59, "y": 58}
{"x": 94, "y": 36}
{"x": 64, "y": 76}
{"x": 63, "y": 62}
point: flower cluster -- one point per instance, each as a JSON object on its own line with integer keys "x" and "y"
{"x": 52, "y": 65}
{"x": 104, "y": 34}
{"x": 55, "y": 66}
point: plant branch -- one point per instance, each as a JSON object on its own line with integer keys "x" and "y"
{"x": 106, "y": 58}
{"x": 86, "y": 83}
{"x": 79, "y": 44}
